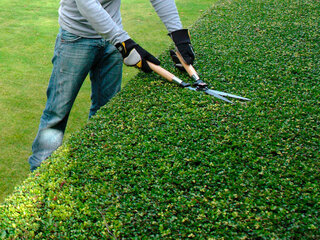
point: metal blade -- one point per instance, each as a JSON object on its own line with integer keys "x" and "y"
{"x": 191, "y": 88}
{"x": 210, "y": 92}
{"x": 228, "y": 95}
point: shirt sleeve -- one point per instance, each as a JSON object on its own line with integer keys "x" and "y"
{"x": 168, "y": 13}
{"x": 101, "y": 21}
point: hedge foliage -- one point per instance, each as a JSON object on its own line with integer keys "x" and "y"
{"x": 161, "y": 162}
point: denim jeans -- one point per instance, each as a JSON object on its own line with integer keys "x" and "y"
{"x": 74, "y": 58}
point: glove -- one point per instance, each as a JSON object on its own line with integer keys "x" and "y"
{"x": 134, "y": 55}
{"x": 176, "y": 61}
{"x": 181, "y": 38}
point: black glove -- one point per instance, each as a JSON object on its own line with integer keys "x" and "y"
{"x": 134, "y": 55}
{"x": 181, "y": 38}
{"x": 176, "y": 61}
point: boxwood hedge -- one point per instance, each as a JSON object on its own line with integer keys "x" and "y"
{"x": 161, "y": 162}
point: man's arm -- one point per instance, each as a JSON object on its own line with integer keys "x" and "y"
{"x": 168, "y": 13}
{"x": 101, "y": 21}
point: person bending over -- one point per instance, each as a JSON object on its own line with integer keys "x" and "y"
{"x": 91, "y": 40}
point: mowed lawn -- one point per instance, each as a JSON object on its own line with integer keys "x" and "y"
{"x": 28, "y": 32}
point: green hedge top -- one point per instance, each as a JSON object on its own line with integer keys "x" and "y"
{"x": 161, "y": 162}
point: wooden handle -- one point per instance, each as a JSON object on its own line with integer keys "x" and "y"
{"x": 189, "y": 68}
{"x": 161, "y": 71}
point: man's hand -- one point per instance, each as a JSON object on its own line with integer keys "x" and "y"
{"x": 181, "y": 38}
{"x": 176, "y": 61}
{"x": 134, "y": 55}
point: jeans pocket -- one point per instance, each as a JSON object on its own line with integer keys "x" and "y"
{"x": 67, "y": 37}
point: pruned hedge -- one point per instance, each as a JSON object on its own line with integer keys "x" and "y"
{"x": 161, "y": 162}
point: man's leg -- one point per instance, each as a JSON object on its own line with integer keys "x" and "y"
{"x": 73, "y": 57}
{"x": 105, "y": 77}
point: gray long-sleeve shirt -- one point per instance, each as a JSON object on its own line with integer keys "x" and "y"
{"x": 102, "y": 18}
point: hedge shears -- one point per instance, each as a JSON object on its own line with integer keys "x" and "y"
{"x": 198, "y": 85}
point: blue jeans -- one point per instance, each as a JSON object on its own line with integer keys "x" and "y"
{"x": 74, "y": 58}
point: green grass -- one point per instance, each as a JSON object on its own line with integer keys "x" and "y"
{"x": 161, "y": 162}
{"x": 27, "y": 36}
{"x": 28, "y": 31}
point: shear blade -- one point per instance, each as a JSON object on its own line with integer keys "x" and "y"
{"x": 228, "y": 95}
{"x": 192, "y": 88}
{"x": 210, "y": 92}
{"x": 220, "y": 95}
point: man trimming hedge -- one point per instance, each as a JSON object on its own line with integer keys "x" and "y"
{"x": 91, "y": 40}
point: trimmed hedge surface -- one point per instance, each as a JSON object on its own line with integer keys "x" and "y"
{"x": 161, "y": 162}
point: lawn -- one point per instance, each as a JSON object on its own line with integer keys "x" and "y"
{"x": 28, "y": 31}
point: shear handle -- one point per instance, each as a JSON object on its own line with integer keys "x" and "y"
{"x": 167, "y": 75}
{"x": 189, "y": 68}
